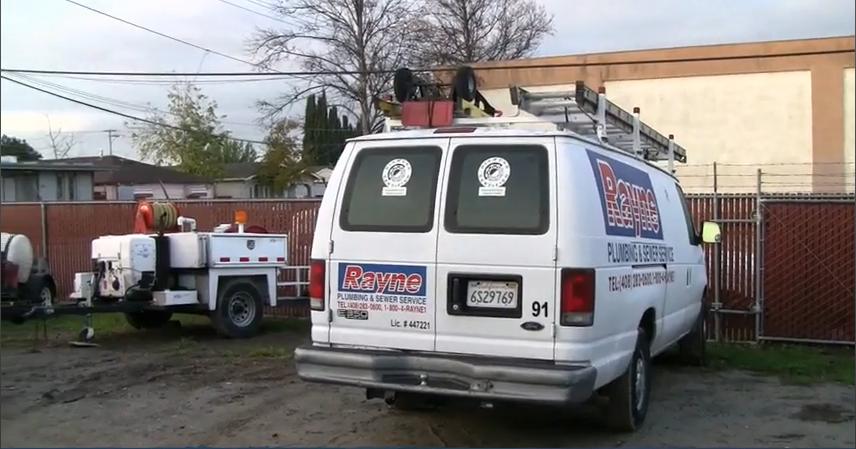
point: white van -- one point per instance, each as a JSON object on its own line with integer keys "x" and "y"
{"x": 501, "y": 264}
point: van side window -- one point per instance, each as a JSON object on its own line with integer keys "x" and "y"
{"x": 498, "y": 189}
{"x": 391, "y": 190}
{"x": 687, "y": 216}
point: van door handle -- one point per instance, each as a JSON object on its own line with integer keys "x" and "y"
{"x": 455, "y": 294}
{"x": 648, "y": 265}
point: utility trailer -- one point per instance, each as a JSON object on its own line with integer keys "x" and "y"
{"x": 229, "y": 274}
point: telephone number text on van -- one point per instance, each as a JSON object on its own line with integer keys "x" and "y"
{"x": 382, "y": 303}
{"x": 633, "y": 280}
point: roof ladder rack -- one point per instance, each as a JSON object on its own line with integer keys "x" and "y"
{"x": 589, "y": 113}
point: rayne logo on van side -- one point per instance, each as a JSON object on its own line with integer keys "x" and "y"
{"x": 627, "y": 198}
{"x": 382, "y": 279}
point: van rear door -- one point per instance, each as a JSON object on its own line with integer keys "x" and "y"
{"x": 384, "y": 239}
{"x": 496, "y": 273}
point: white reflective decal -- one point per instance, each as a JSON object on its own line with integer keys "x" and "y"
{"x": 395, "y": 176}
{"x": 493, "y": 174}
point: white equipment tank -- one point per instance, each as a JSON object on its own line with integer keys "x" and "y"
{"x": 20, "y": 252}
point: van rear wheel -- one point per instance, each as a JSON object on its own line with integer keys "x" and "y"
{"x": 630, "y": 393}
{"x": 692, "y": 346}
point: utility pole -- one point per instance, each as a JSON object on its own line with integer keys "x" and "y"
{"x": 110, "y": 138}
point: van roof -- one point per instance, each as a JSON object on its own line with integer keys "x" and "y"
{"x": 481, "y": 131}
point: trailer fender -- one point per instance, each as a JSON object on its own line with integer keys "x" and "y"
{"x": 263, "y": 278}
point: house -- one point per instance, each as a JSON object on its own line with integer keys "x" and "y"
{"x": 46, "y": 180}
{"x": 240, "y": 181}
{"x": 121, "y": 179}
{"x": 786, "y": 107}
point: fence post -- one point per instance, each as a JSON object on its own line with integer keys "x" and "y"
{"x": 716, "y": 274}
{"x": 759, "y": 261}
{"x": 44, "y": 231}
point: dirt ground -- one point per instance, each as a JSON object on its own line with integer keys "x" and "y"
{"x": 187, "y": 387}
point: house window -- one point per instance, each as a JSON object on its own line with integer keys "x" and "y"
{"x": 26, "y": 187}
{"x": 143, "y": 193}
{"x": 60, "y": 186}
{"x": 65, "y": 186}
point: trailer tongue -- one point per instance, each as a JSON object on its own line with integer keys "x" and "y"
{"x": 167, "y": 266}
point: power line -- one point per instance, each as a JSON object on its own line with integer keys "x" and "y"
{"x": 138, "y": 107}
{"x": 122, "y": 114}
{"x": 253, "y": 11}
{"x": 182, "y": 41}
{"x": 156, "y": 81}
{"x": 263, "y": 5}
{"x": 429, "y": 69}
{"x": 115, "y": 102}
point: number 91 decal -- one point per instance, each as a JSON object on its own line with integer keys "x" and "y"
{"x": 540, "y": 309}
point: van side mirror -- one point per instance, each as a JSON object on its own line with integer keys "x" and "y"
{"x": 710, "y": 232}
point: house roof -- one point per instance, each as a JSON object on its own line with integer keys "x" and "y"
{"x": 240, "y": 170}
{"x": 119, "y": 170}
{"x": 49, "y": 165}
{"x": 247, "y": 170}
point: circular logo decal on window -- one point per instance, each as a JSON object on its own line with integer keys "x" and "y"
{"x": 395, "y": 176}
{"x": 493, "y": 174}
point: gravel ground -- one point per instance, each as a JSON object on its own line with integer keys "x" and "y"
{"x": 186, "y": 387}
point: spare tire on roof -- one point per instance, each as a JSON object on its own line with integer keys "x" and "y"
{"x": 465, "y": 83}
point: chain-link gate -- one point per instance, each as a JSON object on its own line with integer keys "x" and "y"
{"x": 808, "y": 274}
{"x": 784, "y": 269}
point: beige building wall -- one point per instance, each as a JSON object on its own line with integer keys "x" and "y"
{"x": 849, "y": 128}
{"x": 738, "y": 121}
{"x": 784, "y": 105}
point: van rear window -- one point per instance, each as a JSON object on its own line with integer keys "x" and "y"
{"x": 392, "y": 190}
{"x": 498, "y": 190}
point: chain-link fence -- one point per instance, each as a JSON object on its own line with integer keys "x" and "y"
{"x": 784, "y": 268}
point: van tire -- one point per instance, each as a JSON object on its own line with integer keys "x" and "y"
{"x": 239, "y": 309}
{"x": 692, "y": 346}
{"x": 148, "y": 319}
{"x": 626, "y": 410}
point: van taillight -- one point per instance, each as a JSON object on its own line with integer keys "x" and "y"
{"x": 316, "y": 284}
{"x": 577, "y": 297}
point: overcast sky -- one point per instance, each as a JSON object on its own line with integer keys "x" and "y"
{"x": 58, "y": 35}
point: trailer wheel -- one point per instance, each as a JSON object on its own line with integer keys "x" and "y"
{"x": 148, "y": 319}
{"x": 86, "y": 335}
{"x": 239, "y": 309}
{"x": 40, "y": 291}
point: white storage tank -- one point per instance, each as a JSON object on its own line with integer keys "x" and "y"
{"x": 19, "y": 251}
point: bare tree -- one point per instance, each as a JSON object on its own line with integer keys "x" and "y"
{"x": 368, "y": 38}
{"x": 465, "y": 31}
{"x": 61, "y": 144}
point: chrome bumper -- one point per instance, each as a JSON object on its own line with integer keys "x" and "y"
{"x": 487, "y": 378}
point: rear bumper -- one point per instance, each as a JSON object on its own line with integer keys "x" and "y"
{"x": 484, "y": 378}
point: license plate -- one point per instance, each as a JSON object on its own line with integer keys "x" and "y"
{"x": 492, "y": 294}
